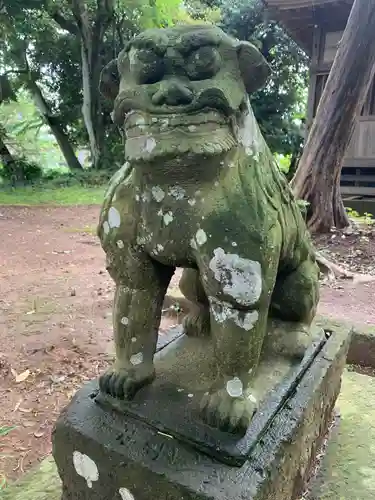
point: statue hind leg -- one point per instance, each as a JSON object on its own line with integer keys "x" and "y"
{"x": 296, "y": 294}
{"x": 294, "y": 301}
{"x": 197, "y": 321}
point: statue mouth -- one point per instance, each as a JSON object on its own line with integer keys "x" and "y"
{"x": 138, "y": 123}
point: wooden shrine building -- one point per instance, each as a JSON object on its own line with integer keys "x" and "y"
{"x": 317, "y": 27}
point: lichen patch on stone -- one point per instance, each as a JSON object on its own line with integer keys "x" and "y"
{"x": 85, "y": 467}
{"x": 157, "y": 193}
{"x": 235, "y": 387}
{"x": 105, "y": 227}
{"x": 222, "y": 311}
{"x": 241, "y": 278}
{"x": 193, "y": 244}
{"x": 114, "y": 219}
{"x": 252, "y": 398}
{"x": 177, "y": 192}
{"x": 248, "y": 320}
{"x": 168, "y": 218}
{"x": 136, "y": 359}
{"x": 145, "y": 197}
{"x": 200, "y": 237}
{"x": 150, "y": 144}
{"x": 125, "y": 494}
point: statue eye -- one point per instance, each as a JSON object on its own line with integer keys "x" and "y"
{"x": 203, "y": 63}
{"x": 146, "y": 66}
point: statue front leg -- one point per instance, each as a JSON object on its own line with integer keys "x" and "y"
{"x": 140, "y": 291}
{"x": 238, "y": 336}
{"x": 238, "y": 289}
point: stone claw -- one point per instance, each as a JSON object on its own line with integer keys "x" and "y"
{"x": 124, "y": 383}
{"x": 228, "y": 413}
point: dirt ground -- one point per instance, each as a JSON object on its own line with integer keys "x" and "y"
{"x": 55, "y": 316}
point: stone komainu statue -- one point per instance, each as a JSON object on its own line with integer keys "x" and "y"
{"x": 200, "y": 190}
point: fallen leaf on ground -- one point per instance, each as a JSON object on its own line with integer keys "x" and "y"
{"x": 22, "y": 376}
{"x": 18, "y": 404}
{"x": 25, "y": 410}
{"x": 28, "y": 423}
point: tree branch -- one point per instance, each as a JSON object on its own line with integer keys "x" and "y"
{"x": 15, "y": 72}
{"x": 104, "y": 15}
{"x": 65, "y": 24}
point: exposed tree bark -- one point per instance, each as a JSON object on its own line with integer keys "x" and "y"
{"x": 6, "y": 157}
{"x": 91, "y": 32}
{"x": 317, "y": 179}
{"x": 6, "y": 91}
{"x": 20, "y": 58}
{"x": 56, "y": 128}
{"x": 52, "y": 121}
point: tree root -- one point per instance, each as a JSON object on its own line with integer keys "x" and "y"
{"x": 333, "y": 271}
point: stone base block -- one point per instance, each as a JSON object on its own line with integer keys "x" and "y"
{"x": 104, "y": 454}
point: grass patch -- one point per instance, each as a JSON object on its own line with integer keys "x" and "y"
{"x": 71, "y": 195}
{"x": 6, "y": 430}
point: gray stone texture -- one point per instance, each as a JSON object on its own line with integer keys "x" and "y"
{"x": 127, "y": 459}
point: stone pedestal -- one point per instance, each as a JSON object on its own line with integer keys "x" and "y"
{"x": 105, "y": 454}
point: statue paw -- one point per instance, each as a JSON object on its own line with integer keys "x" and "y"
{"x": 122, "y": 383}
{"x": 290, "y": 339}
{"x": 197, "y": 323}
{"x": 228, "y": 413}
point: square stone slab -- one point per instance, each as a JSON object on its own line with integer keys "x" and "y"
{"x": 184, "y": 372}
{"x": 103, "y": 454}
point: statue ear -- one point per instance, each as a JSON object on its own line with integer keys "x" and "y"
{"x": 255, "y": 70}
{"x": 110, "y": 81}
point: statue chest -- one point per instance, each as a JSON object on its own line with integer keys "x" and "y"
{"x": 165, "y": 230}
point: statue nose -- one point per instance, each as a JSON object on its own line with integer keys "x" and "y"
{"x": 172, "y": 93}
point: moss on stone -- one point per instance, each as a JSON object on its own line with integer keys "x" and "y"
{"x": 348, "y": 471}
{"x": 339, "y": 324}
{"x": 43, "y": 483}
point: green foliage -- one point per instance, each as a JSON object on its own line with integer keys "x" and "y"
{"x": 304, "y": 206}
{"x": 20, "y": 171}
{"x": 86, "y": 178}
{"x": 26, "y": 134}
{"x": 279, "y": 107}
{"x": 366, "y": 218}
{"x": 54, "y": 60}
{"x": 283, "y": 162}
{"x": 39, "y": 195}
{"x": 6, "y": 430}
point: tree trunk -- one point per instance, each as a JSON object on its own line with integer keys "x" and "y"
{"x": 91, "y": 108}
{"x": 6, "y": 157}
{"x": 56, "y": 128}
{"x": 91, "y": 30}
{"x": 317, "y": 179}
